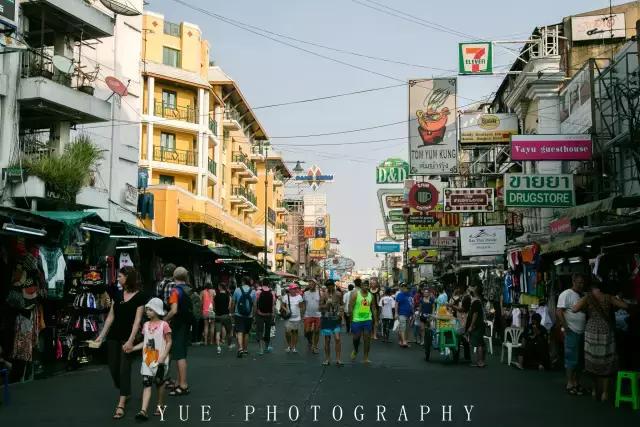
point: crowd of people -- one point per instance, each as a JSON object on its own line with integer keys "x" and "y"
{"x": 161, "y": 327}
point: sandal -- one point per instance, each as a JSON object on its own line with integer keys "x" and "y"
{"x": 179, "y": 391}
{"x": 119, "y": 413}
{"x": 142, "y": 415}
{"x": 572, "y": 391}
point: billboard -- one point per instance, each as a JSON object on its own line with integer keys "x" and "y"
{"x": 444, "y": 221}
{"x": 575, "y": 103}
{"x": 551, "y": 147}
{"x": 598, "y": 27}
{"x": 475, "y": 58}
{"x": 545, "y": 191}
{"x": 433, "y": 139}
{"x": 469, "y": 200}
{"x": 479, "y": 128}
{"x": 318, "y": 244}
{"x": 484, "y": 240}
{"x": 392, "y": 171}
{"x": 422, "y": 256}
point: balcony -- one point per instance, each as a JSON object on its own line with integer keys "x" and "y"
{"x": 278, "y": 179}
{"x": 244, "y": 198}
{"x": 246, "y": 168}
{"x": 282, "y": 228}
{"x": 232, "y": 119}
{"x": 175, "y": 112}
{"x": 212, "y": 167}
{"x": 213, "y": 126}
{"x": 178, "y": 157}
{"x": 281, "y": 206}
{"x": 48, "y": 96}
{"x": 35, "y": 146}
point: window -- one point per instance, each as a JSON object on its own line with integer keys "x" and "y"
{"x": 171, "y": 29}
{"x": 168, "y": 141}
{"x": 167, "y": 180}
{"x": 171, "y": 57}
{"x": 169, "y": 99}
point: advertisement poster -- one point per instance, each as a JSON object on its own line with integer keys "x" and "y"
{"x": 469, "y": 200}
{"x": 444, "y": 221}
{"x": 598, "y": 27}
{"x": 433, "y": 132}
{"x": 482, "y": 128}
{"x": 542, "y": 191}
{"x": 551, "y": 147}
{"x": 575, "y": 103}
{"x": 422, "y": 256}
{"x": 485, "y": 240}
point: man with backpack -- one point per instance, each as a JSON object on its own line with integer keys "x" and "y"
{"x": 265, "y": 309}
{"x": 165, "y": 286}
{"x": 243, "y": 307}
{"x": 181, "y": 318}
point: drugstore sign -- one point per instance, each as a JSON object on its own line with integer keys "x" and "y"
{"x": 550, "y": 191}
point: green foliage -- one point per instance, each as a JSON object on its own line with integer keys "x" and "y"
{"x": 67, "y": 173}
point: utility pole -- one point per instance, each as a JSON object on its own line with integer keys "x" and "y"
{"x": 266, "y": 179}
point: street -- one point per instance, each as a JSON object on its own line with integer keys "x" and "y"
{"x": 397, "y": 378}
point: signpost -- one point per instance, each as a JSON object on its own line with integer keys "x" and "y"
{"x": 469, "y": 200}
{"x": 392, "y": 171}
{"x": 475, "y": 58}
{"x": 386, "y": 247}
{"x": 551, "y": 191}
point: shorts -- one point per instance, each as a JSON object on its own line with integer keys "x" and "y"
{"x": 573, "y": 349}
{"x": 476, "y": 338}
{"x": 263, "y": 326}
{"x": 243, "y": 324}
{"x": 330, "y": 327}
{"x": 312, "y": 323}
{"x": 160, "y": 378}
{"x": 359, "y": 327}
{"x": 225, "y": 321}
{"x": 402, "y": 323}
{"x": 292, "y": 325}
{"x": 180, "y": 337}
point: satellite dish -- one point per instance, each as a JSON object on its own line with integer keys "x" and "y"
{"x": 121, "y": 7}
{"x": 62, "y": 64}
{"x": 116, "y": 86}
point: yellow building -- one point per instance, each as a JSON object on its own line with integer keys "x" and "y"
{"x": 198, "y": 143}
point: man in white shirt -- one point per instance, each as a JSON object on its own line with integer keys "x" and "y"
{"x": 387, "y": 308}
{"x": 573, "y": 325}
{"x": 312, "y": 316}
{"x": 293, "y": 304}
{"x": 347, "y": 315}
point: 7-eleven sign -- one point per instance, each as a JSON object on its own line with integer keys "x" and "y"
{"x": 476, "y": 58}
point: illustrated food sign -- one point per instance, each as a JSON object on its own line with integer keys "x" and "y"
{"x": 386, "y": 247}
{"x": 480, "y": 128}
{"x": 433, "y": 139}
{"x": 392, "y": 171}
{"x": 550, "y": 191}
{"x": 444, "y": 221}
{"x": 598, "y": 27}
{"x": 314, "y": 177}
{"x": 551, "y": 147}
{"x": 475, "y": 58}
{"x": 423, "y": 196}
{"x": 8, "y": 15}
{"x": 422, "y": 256}
{"x": 469, "y": 200}
{"x": 485, "y": 240}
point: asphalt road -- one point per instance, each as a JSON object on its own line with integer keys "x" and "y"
{"x": 397, "y": 386}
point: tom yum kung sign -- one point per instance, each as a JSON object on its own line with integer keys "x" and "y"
{"x": 469, "y": 200}
{"x": 543, "y": 191}
{"x": 551, "y": 147}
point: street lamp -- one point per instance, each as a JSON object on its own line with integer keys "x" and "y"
{"x": 298, "y": 167}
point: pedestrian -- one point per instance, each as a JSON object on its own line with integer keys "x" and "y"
{"x": 425, "y": 310}
{"x": 572, "y": 325}
{"x": 121, "y": 329}
{"x": 222, "y": 304}
{"x": 165, "y": 286}
{"x": 243, "y": 307}
{"x": 535, "y": 351}
{"x": 155, "y": 346}
{"x": 207, "y": 296}
{"x": 375, "y": 292}
{"x": 387, "y": 313}
{"x": 311, "y": 310}
{"x": 475, "y": 326}
{"x": 600, "y": 356}
{"x": 404, "y": 310}
{"x": 363, "y": 315}
{"x": 180, "y": 317}
{"x": 265, "y": 310}
{"x": 292, "y": 303}
{"x": 346, "y": 298}
{"x": 331, "y": 309}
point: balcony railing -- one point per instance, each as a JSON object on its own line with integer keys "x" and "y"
{"x": 180, "y": 157}
{"x": 213, "y": 126}
{"x": 280, "y": 204}
{"x": 232, "y": 114}
{"x": 212, "y": 166}
{"x": 282, "y": 226}
{"x": 246, "y": 193}
{"x": 239, "y": 157}
{"x": 35, "y": 146}
{"x": 38, "y": 63}
{"x": 170, "y": 111}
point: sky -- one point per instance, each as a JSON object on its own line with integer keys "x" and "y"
{"x": 271, "y": 72}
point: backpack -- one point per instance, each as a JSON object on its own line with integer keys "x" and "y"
{"x": 265, "y": 302}
{"x": 196, "y": 305}
{"x": 245, "y": 303}
{"x": 185, "y": 304}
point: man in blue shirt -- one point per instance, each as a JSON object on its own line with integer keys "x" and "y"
{"x": 404, "y": 310}
{"x": 443, "y": 298}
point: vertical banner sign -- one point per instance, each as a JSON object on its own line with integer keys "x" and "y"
{"x": 542, "y": 191}
{"x": 433, "y": 133}
{"x": 475, "y": 58}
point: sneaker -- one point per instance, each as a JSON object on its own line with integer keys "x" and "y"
{"x": 288, "y": 350}
{"x": 245, "y": 352}
{"x": 354, "y": 355}
{"x": 269, "y": 349}
{"x": 218, "y": 350}
{"x": 232, "y": 346}
{"x": 239, "y": 355}
{"x": 294, "y": 351}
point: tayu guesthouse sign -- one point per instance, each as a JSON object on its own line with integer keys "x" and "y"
{"x": 392, "y": 171}
{"x": 545, "y": 191}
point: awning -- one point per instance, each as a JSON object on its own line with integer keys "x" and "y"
{"x": 591, "y": 208}
{"x": 72, "y": 220}
{"x": 171, "y": 246}
{"x": 562, "y": 244}
{"x": 227, "y": 252}
{"x": 125, "y": 230}
{"x": 26, "y": 218}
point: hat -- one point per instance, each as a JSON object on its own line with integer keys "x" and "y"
{"x": 293, "y": 286}
{"x": 156, "y": 305}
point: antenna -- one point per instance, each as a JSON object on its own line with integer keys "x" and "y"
{"x": 121, "y": 7}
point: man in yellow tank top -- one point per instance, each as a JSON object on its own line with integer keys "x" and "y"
{"x": 363, "y": 316}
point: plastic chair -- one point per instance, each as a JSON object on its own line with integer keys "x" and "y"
{"x": 633, "y": 398}
{"x": 489, "y": 325}
{"x": 5, "y": 381}
{"x": 511, "y": 341}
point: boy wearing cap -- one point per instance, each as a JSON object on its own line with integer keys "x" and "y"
{"x": 155, "y": 346}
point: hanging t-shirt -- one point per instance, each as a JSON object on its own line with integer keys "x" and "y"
{"x": 155, "y": 344}
{"x": 516, "y": 322}
{"x": 125, "y": 260}
{"x": 53, "y": 266}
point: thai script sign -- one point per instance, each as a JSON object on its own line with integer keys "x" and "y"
{"x": 539, "y": 190}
